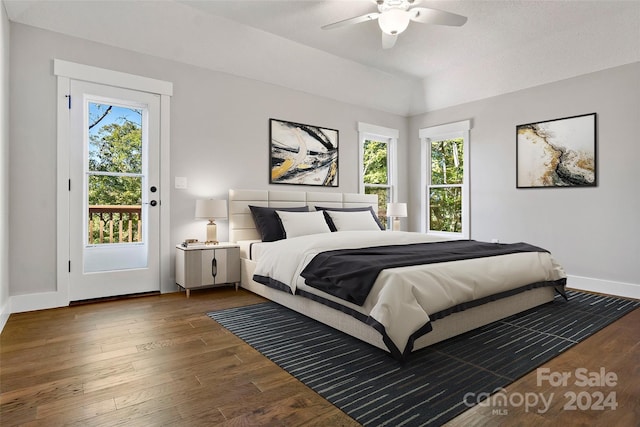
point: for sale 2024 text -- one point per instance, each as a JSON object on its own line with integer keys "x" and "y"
{"x": 593, "y": 399}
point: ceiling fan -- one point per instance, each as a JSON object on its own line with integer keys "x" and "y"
{"x": 394, "y": 15}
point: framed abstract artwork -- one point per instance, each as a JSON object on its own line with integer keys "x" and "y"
{"x": 302, "y": 154}
{"x": 557, "y": 153}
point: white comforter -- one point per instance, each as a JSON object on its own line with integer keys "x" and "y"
{"x": 402, "y": 298}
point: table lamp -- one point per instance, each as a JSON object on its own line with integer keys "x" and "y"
{"x": 211, "y": 209}
{"x": 396, "y": 211}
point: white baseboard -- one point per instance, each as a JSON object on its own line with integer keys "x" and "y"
{"x": 39, "y": 301}
{"x": 45, "y": 300}
{"x": 5, "y": 312}
{"x": 628, "y": 290}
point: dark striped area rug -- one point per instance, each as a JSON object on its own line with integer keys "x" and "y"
{"x": 374, "y": 389}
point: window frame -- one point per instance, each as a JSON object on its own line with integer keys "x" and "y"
{"x": 427, "y": 135}
{"x": 368, "y": 132}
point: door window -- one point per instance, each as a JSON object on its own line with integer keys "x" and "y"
{"x": 115, "y": 173}
{"x": 116, "y": 168}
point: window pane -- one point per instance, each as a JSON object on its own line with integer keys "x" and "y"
{"x": 115, "y": 139}
{"x": 375, "y": 162}
{"x": 114, "y": 209}
{"x": 445, "y": 209}
{"x": 446, "y": 161}
{"x": 383, "y": 197}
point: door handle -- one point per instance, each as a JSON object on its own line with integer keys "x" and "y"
{"x": 214, "y": 269}
{"x": 153, "y": 203}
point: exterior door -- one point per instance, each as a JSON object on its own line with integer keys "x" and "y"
{"x": 114, "y": 191}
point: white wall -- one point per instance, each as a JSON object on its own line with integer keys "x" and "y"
{"x": 594, "y": 232}
{"x": 219, "y": 140}
{"x": 4, "y": 167}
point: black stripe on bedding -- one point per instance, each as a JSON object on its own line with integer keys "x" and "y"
{"x": 272, "y": 283}
{"x": 559, "y": 286}
{"x": 349, "y": 274}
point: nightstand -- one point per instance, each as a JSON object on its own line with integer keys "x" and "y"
{"x": 207, "y": 265}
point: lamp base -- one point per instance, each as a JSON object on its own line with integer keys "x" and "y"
{"x": 212, "y": 233}
{"x": 396, "y": 224}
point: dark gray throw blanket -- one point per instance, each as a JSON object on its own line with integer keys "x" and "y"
{"x": 349, "y": 274}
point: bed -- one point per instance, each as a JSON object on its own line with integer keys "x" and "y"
{"x": 397, "y": 315}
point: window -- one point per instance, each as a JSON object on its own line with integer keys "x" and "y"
{"x": 445, "y": 177}
{"x": 378, "y": 165}
{"x": 375, "y": 174}
{"x": 116, "y": 168}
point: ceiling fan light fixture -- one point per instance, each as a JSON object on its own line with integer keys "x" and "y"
{"x": 394, "y": 21}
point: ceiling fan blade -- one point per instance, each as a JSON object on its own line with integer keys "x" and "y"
{"x": 434, "y": 16}
{"x": 388, "y": 40}
{"x": 350, "y": 21}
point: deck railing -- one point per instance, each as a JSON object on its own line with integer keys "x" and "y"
{"x": 115, "y": 224}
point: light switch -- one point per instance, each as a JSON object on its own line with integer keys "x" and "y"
{"x": 181, "y": 182}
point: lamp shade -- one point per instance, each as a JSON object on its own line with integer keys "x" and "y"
{"x": 210, "y": 209}
{"x": 397, "y": 209}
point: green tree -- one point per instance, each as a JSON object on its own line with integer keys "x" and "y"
{"x": 116, "y": 148}
{"x": 447, "y": 161}
{"x": 375, "y": 164}
{"x": 447, "y": 171}
{"x": 115, "y": 176}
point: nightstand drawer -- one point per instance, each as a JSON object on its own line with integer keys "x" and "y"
{"x": 220, "y": 266}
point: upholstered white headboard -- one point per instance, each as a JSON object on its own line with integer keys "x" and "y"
{"x": 242, "y": 227}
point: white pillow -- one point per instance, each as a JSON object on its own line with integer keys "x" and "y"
{"x": 302, "y": 223}
{"x": 353, "y": 220}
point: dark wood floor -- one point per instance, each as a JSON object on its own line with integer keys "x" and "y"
{"x": 159, "y": 360}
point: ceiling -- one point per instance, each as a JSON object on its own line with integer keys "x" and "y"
{"x": 422, "y": 50}
{"x": 505, "y": 45}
